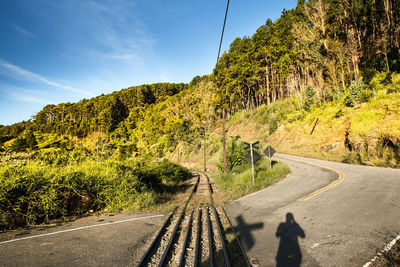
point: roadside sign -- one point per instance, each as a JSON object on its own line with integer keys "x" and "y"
{"x": 252, "y": 156}
{"x": 247, "y": 145}
{"x": 256, "y": 156}
{"x": 269, "y": 151}
{"x": 255, "y": 145}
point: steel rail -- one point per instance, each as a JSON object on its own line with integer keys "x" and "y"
{"x": 156, "y": 238}
{"x": 197, "y": 246}
{"x": 165, "y": 223}
{"x": 171, "y": 239}
{"x": 181, "y": 260}
{"x": 193, "y": 191}
{"x": 221, "y": 236}
{"x": 237, "y": 238}
{"x": 210, "y": 239}
{"x": 210, "y": 189}
{"x": 178, "y": 223}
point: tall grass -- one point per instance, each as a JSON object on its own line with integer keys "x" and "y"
{"x": 238, "y": 182}
{"x": 36, "y": 192}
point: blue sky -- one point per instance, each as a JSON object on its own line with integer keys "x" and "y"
{"x": 67, "y": 50}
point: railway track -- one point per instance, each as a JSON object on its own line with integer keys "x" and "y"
{"x": 193, "y": 234}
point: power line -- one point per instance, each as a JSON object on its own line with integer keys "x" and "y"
{"x": 222, "y": 34}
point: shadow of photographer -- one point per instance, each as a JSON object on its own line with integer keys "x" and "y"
{"x": 289, "y": 252}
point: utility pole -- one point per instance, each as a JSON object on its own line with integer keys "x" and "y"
{"x": 205, "y": 150}
{"x": 252, "y": 162}
{"x": 224, "y": 139}
{"x": 205, "y": 125}
{"x": 179, "y": 160}
{"x": 224, "y": 131}
{"x": 252, "y": 156}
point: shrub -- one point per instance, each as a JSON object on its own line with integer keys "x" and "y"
{"x": 273, "y": 125}
{"x": 310, "y": 93}
{"x": 395, "y": 82}
{"x": 20, "y": 144}
{"x": 234, "y": 154}
{"x": 38, "y": 192}
{"x": 379, "y": 81}
{"x": 352, "y": 158}
{"x": 356, "y": 93}
{"x": 238, "y": 181}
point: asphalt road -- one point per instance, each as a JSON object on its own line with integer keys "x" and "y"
{"x": 344, "y": 225}
{"x": 92, "y": 241}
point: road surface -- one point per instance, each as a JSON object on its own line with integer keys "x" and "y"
{"x": 92, "y": 241}
{"x": 356, "y": 214}
{"x": 344, "y": 224}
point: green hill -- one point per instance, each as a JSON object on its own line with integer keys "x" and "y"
{"x": 322, "y": 81}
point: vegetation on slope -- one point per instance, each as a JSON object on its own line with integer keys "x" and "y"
{"x": 238, "y": 181}
{"x": 322, "y": 49}
{"x": 367, "y": 133}
{"x": 322, "y": 60}
{"x": 36, "y": 192}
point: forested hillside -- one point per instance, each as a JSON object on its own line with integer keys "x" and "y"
{"x": 331, "y": 62}
{"x": 321, "y": 51}
{"x": 322, "y": 44}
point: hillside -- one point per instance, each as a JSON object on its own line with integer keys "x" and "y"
{"x": 320, "y": 52}
{"x": 367, "y": 134}
{"x": 320, "y": 81}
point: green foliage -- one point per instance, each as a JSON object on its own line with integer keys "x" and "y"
{"x": 355, "y": 90}
{"x": 19, "y": 145}
{"x": 31, "y": 140}
{"x": 380, "y": 80}
{"x": 310, "y": 93}
{"x": 273, "y": 125}
{"x": 307, "y": 47}
{"x": 356, "y": 94}
{"x": 352, "y": 158}
{"x": 395, "y": 86}
{"x": 37, "y": 192}
{"x": 238, "y": 182}
{"x": 235, "y": 153}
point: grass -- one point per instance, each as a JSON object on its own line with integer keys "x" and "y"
{"x": 238, "y": 182}
{"x": 372, "y": 129}
{"x": 36, "y": 192}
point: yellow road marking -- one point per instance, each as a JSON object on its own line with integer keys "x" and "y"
{"x": 340, "y": 178}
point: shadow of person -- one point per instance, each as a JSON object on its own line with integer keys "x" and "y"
{"x": 289, "y": 253}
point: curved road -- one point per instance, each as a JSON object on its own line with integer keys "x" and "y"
{"x": 344, "y": 225}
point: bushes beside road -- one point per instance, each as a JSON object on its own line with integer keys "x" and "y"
{"x": 238, "y": 181}
{"x": 35, "y": 192}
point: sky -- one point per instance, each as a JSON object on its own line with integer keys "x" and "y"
{"x": 67, "y": 50}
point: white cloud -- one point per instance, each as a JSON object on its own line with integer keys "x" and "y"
{"x": 23, "y": 95}
{"x": 113, "y": 30}
{"x": 164, "y": 78}
{"x": 23, "y": 31}
{"x": 20, "y": 73}
{"x": 29, "y": 98}
{"x": 125, "y": 57}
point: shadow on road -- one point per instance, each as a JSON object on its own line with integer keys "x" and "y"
{"x": 244, "y": 231}
{"x": 289, "y": 253}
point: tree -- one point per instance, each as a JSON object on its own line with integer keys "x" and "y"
{"x": 31, "y": 139}
{"x": 309, "y": 98}
{"x": 19, "y": 145}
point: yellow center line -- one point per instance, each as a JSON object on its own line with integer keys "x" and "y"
{"x": 340, "y": 178}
